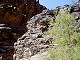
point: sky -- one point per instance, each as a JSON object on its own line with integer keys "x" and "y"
{"x": 51, "y": 4}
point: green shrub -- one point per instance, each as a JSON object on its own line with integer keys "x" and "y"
{"x": 67, "y": 38}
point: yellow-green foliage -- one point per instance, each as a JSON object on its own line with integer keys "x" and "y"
{"x": 66, "y": 37}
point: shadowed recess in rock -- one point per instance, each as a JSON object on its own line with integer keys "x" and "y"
{"x": 14, "y": 15}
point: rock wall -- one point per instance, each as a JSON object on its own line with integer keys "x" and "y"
{"x": 14, "y": 15}
{"x": 18, "y": 12}
{"x": 34, "y": 40}
{"x": 75, "y": 11}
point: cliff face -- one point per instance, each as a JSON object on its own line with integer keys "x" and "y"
{"x": 34, "y": 41}
{"x": 17, "y": 12}
{"x": 14, "y": 15}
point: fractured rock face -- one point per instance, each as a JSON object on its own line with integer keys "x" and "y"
{"x": 33, "y": 41}
{"x": 15, "y": 13}
{"x": 75, "y": 11}
{"x": 75, "y": 7}
{"x": 19, "y": 13}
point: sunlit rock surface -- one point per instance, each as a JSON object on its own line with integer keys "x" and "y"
{"x": 33, "y": 41}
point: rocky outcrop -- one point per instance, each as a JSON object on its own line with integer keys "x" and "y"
{"x": 14, "y": 15}
{"x": 18, "y": 12}
{"x": 75, "y": 11}
{"x": 34, "y": 40}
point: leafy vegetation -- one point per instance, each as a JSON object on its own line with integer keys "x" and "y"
{"x": 66, "y": 37}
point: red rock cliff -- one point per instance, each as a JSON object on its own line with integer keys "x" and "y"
{"x": 17, "y": 12}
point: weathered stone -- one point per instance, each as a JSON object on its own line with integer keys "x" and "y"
{"x": 14, "y": 15}
{"x": 36, "y": 41}
{"x": 78, "y": 30}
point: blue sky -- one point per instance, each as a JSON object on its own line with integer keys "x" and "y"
{"x": 51, "y": 4}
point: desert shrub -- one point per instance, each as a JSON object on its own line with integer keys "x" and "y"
{"x": 66, "y": 37}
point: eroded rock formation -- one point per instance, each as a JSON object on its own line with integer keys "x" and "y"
{"x": 19, "y": 11}
{"x": 34, "y": 40}
{"x": 14, "y": 15}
